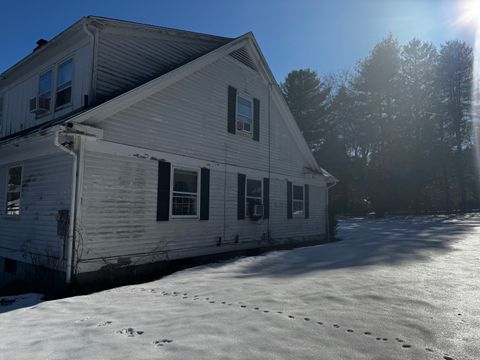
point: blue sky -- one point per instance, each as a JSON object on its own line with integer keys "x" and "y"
{"x": 325, "y": 35}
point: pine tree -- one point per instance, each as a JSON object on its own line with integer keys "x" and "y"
{"x": 308, "y": 99}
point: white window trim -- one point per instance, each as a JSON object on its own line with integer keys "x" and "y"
{"x": 303, "y": 201}
{"x": 54, "y": 95}
{"x": 6, "y": 191}
{"x": 252, "y": 197}
{"x": 172, "y": 173}
{"x": 243, "y": 131}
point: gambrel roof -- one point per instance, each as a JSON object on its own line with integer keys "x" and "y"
{"x": 243, "y": 48}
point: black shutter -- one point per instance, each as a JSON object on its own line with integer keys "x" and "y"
{"x": 204, "y": 193}
{"x": 256, "y": 119}
{"x": 241, "y": 197}
{"x": 289, "y": 200}
{"x": 307, "y": 202}
{"x": 163, "y": 193}
{"x": 266, "y": 198}
{"x": 232, "y": 109}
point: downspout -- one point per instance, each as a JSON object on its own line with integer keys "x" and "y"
{"x": 71, "y": 226}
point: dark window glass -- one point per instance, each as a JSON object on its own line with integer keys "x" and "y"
{"x": 185, "y": 193}
{"x": 14, "y": 190}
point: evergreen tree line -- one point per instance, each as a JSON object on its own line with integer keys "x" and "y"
{"x": 397, "y": 131}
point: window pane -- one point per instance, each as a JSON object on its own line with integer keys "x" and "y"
{"x": 13, "y": 203}
{"x": 246, "y": 126}
{"x": 185, "y": 181}
{"x": 297, "y": 192}
{"x": 14, "y": 177}
{"x": 297, "y": 207}
{"x": 254, "y": 188}
{"x": 64, "y": 97}
{"x": 64, "y": 73}
{"x": 244, "y": 107}
{"x": 184, "y": 204}
{"x": 45, "y": 83}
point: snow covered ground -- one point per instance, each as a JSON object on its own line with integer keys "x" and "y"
{"x": 404, "y": 288}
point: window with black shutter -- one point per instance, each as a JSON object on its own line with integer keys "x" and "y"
{"x": 289, "y": 200}
{"x": 163, "y": 191}
{"x": 204, "y": 194}
{"x": 243, "y": 115}
{"x": 241, "y": 196}
{"x": 307, "y": 201}
{"x": 266, "y": 198}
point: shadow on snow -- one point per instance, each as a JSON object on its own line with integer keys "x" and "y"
{"x": 367, "y": 242}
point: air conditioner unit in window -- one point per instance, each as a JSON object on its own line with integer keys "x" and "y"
{"x": 39, "y": 105}
{"x": 258, "y": 211}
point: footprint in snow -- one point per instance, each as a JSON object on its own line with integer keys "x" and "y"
{"x": 105, "y": 323}
{"x": 158, "y": 343}
{"x": 129, "y": 332}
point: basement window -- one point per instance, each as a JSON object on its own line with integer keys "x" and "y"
{"x": 254, "y": 195}
{"x": 297, "y": 200}
{"x": 244, "y": 114}
{"x": 64, "y": 84}
{"x": 14, "y": 190}
{"x": 185, "y": 193}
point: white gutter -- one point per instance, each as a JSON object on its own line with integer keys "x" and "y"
{"x": 71, "y": 227}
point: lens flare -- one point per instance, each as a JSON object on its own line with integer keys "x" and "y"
{"x": 475, "y": 18}
{"x": 469, "y": 13}
{"x": 476, "y": 102}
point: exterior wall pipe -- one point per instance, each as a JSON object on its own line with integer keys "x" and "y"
{"x": 71, "y": 227}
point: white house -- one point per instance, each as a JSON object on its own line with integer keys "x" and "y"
{"x": 126, "y": 145}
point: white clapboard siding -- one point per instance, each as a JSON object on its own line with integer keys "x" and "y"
{"x": 126, "y": 60}
{"x": 119, "y": 209}
{"x": 46, "y": 187}
{"x": 189, "y": 119}
{"x": 16, "y": 111}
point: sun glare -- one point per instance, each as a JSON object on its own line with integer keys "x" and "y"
{"x": 469, "y": 13}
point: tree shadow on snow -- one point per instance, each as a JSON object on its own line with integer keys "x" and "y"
{"x": 367, "y": 242}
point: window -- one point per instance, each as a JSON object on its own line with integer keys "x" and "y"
{"x": 254, "y": 195}
{"x": 244, "y": 115}
{"x": 185, "y": 193}
{"x": 297, "y": 200}
{"x": 45, "y": 89}
{"x": 14, "y": 190}
{"x": 64, "y": 84}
